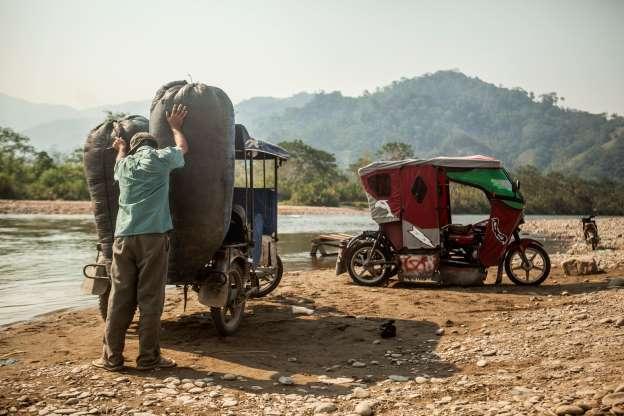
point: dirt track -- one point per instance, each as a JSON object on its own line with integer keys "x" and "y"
{"x": 504, "y": 351}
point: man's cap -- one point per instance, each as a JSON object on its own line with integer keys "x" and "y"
{"x": 141, "y": 139}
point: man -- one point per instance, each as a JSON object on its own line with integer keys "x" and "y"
{"x": 141, "y": 247}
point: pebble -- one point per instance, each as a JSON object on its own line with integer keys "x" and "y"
{"x": 569, "y": 410}
{"x": 364, "y": 409}
{"x": 360, "y": 393}
{"x": 613, "y": 399}
{"x": 439, "y": 332}
{"x": 395, "y": 377}
{"x": 358, "y": 364}
{"x": 325, "y": 408}
{"x": 195, "y": 390}
{"x": 420, "y": 380}
{"x": 287, "y": 381}
{"x": 229, "y": 377}
{"x": 482, "y": 363}
{"x": 229, "y": 402}
{"x": 619, "y": 322}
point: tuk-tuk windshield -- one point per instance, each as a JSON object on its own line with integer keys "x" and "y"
{"x": 495, "y": 182}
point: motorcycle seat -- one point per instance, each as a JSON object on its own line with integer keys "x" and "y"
{"x": 459, "y": 228}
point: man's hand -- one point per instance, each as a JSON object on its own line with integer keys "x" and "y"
{"x": 119, "y": 144}
{"x": 176, "y": 117}
{"x": 120, "y": 147}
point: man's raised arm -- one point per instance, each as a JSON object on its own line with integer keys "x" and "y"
{"x": 175, "y": 120}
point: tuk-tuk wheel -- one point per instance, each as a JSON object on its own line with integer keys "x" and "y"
{"x": 227, "y": 319}
{"x": 532, "y": 273}
{"x": 367, "y": 268}
{"x": 270, "y": 282}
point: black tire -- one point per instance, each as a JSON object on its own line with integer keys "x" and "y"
{"x": 367, "y": 275}
{"x": 513, "y": 262}
{"x": 227, "y": 319}
{"x": 273, "y": 281}
{"x": 103, "y": 303}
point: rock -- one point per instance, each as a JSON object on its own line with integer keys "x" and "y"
{"x": 195, "y": 390}
{"x": 325, "y": 407}
{"x": 72, "y": 401}
{"x": 617, "y": 410}
{"x": 301, "y": 310}
{"x": 358, "y": 364}
{"x": 616, "y": 282}
{"x": 569, "y": 410}
{"x": 482, "y": 363}
{"x": 619, "y": 322}
{"x": 67, "y": 411}
{"x": 187, "y": 386}
{"x": 292, "y": 359}
{"x": 287, "y": 381}
{"x": 360, "y": 393}
{"x": 229, "y": 377}
{"x": 420, "y": 380}
{"x": 522, "y": 391}
{"x": 364, "y": 409}
{"x": 168, "y": 392}
{"x": 171, "y": 380}
{"x": 439, "y": 332}
{"x": 619, "y": 388}
{"x": 395, "y": 377}
{"x": 613, "y": 399}
{"x": 606, "y": 320}
{"x": 580, "y": 266}
{"x": 229, "y": 402}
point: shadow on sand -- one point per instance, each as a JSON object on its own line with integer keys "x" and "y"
{"x": 322, "y": 345}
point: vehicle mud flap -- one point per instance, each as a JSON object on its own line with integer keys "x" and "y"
{"x": 215, "y": 291}
{"x": 96, "y": 278}
{"x": 341, "y": 266}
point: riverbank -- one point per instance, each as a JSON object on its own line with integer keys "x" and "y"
{"x": 457, "y": 352}
{"x": 11, "y": 206}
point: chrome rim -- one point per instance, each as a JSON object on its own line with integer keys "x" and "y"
{"x": 530, "y": 271}
{"x": 365, "y": 268}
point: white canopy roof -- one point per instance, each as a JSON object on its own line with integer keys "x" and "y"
{"x": 475, "y": 161}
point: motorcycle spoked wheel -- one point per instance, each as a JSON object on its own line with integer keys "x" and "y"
{"x": 531, "y": 274}
{"x": 363, "y": 274}
{"x": 228, "y": 318}
{"x": 270, "y": 282}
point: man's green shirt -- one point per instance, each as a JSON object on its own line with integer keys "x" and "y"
{"x": 144, "y": 190}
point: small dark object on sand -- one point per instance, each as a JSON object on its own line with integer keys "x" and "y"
{"x": 388, "y": 330}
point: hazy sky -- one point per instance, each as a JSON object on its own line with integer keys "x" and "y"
{"x": 86, "y": 53}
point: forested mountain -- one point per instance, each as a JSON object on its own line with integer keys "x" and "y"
{"x": 448, "y": 113}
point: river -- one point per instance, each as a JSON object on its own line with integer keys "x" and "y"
{"x": 41, "y": 256}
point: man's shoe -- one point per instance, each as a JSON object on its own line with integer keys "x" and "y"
{"x": 162, "y": 363}
{"x": 102, "y": 363}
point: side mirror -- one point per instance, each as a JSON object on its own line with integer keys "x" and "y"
{"x": 516, "y": 185}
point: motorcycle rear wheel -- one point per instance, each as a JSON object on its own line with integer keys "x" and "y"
{"x": 367, "y": 275}
{"x": 532, "y": 274}
{"x": 228, "y": 318}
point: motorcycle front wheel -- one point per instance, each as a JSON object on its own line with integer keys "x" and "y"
{"x": 228, "y": 318}
{"x": 532, "y": 272}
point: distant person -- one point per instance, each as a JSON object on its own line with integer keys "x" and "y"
{"x": 141, "y": 246}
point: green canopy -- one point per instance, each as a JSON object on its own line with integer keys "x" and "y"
{"x": 495, "y": 182}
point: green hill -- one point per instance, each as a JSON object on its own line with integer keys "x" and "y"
{"x": 449, "y": 113}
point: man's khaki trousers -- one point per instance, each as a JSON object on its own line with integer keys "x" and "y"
{"x": 138, "y": 275}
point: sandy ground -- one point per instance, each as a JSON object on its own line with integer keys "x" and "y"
{"x": 10, "y": 206}
{"x": 492, "y": 350}
{"x": 459, "y": 351}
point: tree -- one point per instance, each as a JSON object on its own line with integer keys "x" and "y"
{"x": 112, "y": 116}
{"x": 395, "y": 151}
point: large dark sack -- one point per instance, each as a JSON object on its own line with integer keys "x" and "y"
{"x": 201, "y": 192}
{"x": 99, "y": 160}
